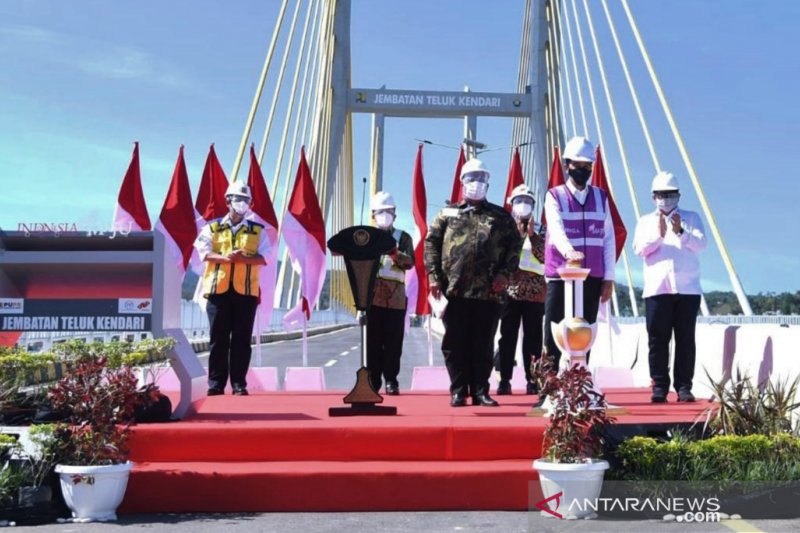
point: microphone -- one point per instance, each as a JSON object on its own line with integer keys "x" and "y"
{"x": 363, "y": 196}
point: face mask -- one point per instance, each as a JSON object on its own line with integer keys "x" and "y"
{"x": 384, "y": 220}
{"x": 666, "y": 204}
{"x": 240, "y": 207}
{"x": 475, "y": 190}
{"x": 522, "y": 210}
{"x": 580, "y": 175}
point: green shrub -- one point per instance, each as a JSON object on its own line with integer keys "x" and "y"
{"x": 729, "y": 457}
{"x": 748, "y": 408}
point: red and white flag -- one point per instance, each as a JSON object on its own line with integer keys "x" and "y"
{"x": 130, "y": 213}
{"x": 304, "y": 235}
{"x": 264, "y": 213}
{"x": 417, "y": 278}
{"x": 556, "y": 177}
{"x": 455, "y": 194}
{"x": 514, "y": 178}
{"x": 599, "y": 180}
{"x": 210, "y": 203}
{"x": 177, "y": 219}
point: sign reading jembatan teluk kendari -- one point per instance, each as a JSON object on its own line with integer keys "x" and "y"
{"x": 39, "y": 314}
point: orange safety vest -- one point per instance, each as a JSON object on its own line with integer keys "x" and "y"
{"x": 217, "y": 276}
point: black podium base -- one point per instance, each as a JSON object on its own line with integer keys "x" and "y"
{"x": 363, "y": 409}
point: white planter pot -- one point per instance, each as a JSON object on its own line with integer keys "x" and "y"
{"x": 93, "y": 493}
{"x": 579, "y": 484}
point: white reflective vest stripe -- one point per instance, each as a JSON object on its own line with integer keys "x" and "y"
{"x": 528, "y": 261}
{"x": 390, "y": 271}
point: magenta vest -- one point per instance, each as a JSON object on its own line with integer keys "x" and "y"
{"x": 585, "y": 228}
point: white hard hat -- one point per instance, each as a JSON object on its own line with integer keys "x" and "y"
{"x": 238, "y": 188}
{"x": 579, "y": 149}
{"x": 474, "y": 165}
{"x": 664, "y": 181}
{"x": 521, "y": 190}
{"x": 382, "y": 200}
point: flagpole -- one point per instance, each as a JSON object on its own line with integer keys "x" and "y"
{"x": 305, "y": 342}
{"x": 258, "y": 336}
{"x": 430, "y": 342}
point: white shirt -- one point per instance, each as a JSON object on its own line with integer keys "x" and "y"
{"x": 558, "y": 237}
{"x": 203, "y": 242}
{"x": 671, "y": 264}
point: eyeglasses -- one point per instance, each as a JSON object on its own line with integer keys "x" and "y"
{"x": 480, "y": 176}
{"x": 666, "y": 194}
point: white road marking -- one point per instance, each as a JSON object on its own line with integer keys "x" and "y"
{"x": 344, "y": 353}
{"x": 354, "y": 347}
{"x": 330, "y": 363}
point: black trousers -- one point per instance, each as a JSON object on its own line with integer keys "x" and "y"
{"x": 468, "y": 344}
{"x": 667, "y": 313}
{"x": 230, "y": 316}
{"x": 385, "y": 331}
{"x": 514, "y": 312}
{"x": 554, "y": 311}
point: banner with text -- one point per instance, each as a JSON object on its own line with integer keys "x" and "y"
{"x": 118, "y": 314}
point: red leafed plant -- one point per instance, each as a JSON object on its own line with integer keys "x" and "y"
{"x": 577, "y": 415}
{"x": 99, "y": 402}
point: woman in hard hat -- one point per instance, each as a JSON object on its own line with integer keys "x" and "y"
{"x": 669, "y": 240}
{"x": 387, "y": 313}
{"x": 526, "y": 293}
{"x": 233, "y": 249}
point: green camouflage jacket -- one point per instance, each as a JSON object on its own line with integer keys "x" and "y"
{"x": 468, "y": 245}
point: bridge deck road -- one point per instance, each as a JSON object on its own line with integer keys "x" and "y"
{"x": 339, "y": 354}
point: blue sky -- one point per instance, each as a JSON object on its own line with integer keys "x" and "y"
{"x": 80, "y": 81}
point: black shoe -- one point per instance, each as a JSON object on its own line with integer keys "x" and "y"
{"x": 240, "y": 391}
{"x": 531, "y": 388}
{"x": 215, "y": 391}
{"x": 392, "y": 388}
{"x": 685, "y": 396}
{"x": 484, "y": 400}
{"x": 659, "y": 396}
{"x": 504, "y": 387}
{"x": 540, "y": 401}
{"x": 458, "y": 400}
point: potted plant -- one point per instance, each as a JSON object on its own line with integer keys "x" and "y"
{"x": 99, "y": 400}
{"x": 27, "y": 480}
{"x": 569, "y": 471}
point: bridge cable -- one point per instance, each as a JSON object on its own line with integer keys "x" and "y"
{"x": 551, "y": 78}
{"x": 285, "y": 263}
{"x": 575, "y": 72}
{"x": 278, "y": 83}
{"x": 593, "y": 101}
{"x": 563, "y": 61}
{"x": 632, "y": 88}
{"x": 556, "y": 27}
{"x": 257, "y": 97}
{"x": 737, "y": 285}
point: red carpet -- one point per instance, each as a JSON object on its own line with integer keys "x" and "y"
{"x": 282, "y": 452}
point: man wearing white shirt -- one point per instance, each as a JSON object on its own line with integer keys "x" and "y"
{"x": 669, "y": 240}
{"x": 579, "y": 228}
